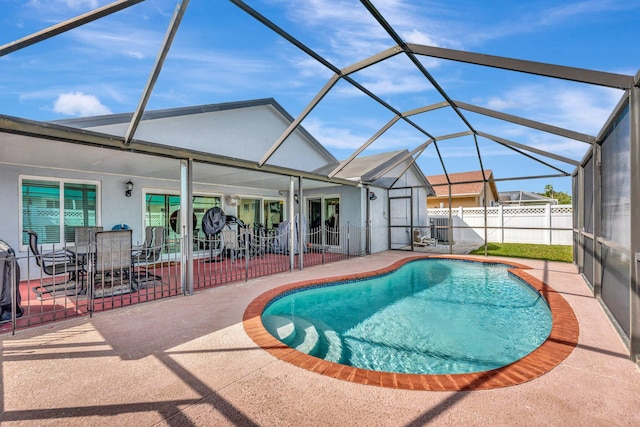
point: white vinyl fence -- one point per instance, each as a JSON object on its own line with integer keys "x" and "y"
{"x": 546, "y": 224}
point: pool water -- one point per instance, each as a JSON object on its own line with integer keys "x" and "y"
{"x": 430, "y": 316}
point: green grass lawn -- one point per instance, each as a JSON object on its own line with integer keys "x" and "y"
{"x": 521, "y": 250}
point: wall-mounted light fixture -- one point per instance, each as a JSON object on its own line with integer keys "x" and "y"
{"x": 372, "y": 195}
{"x": 232, "y": 200}
{"x": 295, "y": 197}
{"x": 129, "y": 187}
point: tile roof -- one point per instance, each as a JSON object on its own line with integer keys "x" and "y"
{"x": 459, "y": 189}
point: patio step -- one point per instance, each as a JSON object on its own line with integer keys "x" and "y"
{"x": 297, "y": 333}
{"x": 316, "y": 339}
{"x": 331, "y": 348}
{"x": 307, "y": 337}
{"x": 280, "y": 327}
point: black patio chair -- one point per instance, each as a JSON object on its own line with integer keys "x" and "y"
{"x": 55, "y": 264}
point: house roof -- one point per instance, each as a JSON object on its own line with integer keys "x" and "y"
{"x": 471, "y": 183}
{"x": 367, "y": 169}
{"x": 101, "y": 123}
{"x": 521, "y": 196}
{"x": 366, "y": 166}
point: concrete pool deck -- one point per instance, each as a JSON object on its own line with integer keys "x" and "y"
{"x": 188, "y": 361}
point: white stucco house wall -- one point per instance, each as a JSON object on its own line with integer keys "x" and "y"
{"x": 220, "y": 145}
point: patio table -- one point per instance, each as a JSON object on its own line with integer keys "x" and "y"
{"x": 82, "y": 253}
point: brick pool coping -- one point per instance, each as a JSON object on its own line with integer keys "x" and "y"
{"x": 560, "y": 343}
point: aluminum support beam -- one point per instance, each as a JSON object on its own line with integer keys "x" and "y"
{"x": 370, "y": 141}
{"x": 504, "y": 179}
{"x": 155, "y": 72}
{"x": 597, "y": 216}
{"x": 186, "y": 220}
{"x": 520, "y": 178}
{"x": 413, "y": 160}
{"x": 454, "y": 135}
{"x": 292, "y": 217}
{"x": 450, "y": 221}
{"x": 578, "y": 202}
{"x": 392, "y": 33}
{"x": 581, "y": 75}
{"x": 324, "y": 62}
{"x": 528, "y": 123}
{"x": 528, "y": 148}
{"x": 67, "y": 25}
{"x": 425, "y": 109}
{"x": 420, "y": 148}
{"x": 444, "y": 169}
{"x": 382, "y": 130}
{"x": 372, "y": 60}
{"x": 292, "y": 127}
{"x": 634, "y": 101}
{"x": 301, "y": 231}
{"x": 486, "y": 235}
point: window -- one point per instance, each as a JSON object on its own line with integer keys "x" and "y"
{"x": 54, "y": 208}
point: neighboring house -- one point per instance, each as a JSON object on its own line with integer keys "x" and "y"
{"x": 468, "y": 192}
{"x": 524, "y": 198}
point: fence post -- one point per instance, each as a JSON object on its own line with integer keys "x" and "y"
{"x": 348, "y": 239}
{"x": 460, "y": 212}
{"x": 501, "y": 219}
{"x": 547, "y": 212}
{"x": 246, "y": 253}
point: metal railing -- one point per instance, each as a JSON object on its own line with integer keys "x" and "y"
{"x": 81, "y": 287}
{"x": 256, "y": 252}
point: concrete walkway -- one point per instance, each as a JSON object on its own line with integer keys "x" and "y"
{"x": 187, "y": 361}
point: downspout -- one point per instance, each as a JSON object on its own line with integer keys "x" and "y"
{"x": 367, "y": 242}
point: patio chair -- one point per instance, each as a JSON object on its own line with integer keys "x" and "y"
{"x": 148, "y": 241}
{"x": 113, "y": 262}
{"x": 423, "y": 240}
{"x": 149, "y": 253}
{"x": 86, "y": 235}
{"x": 231, "y": 244}
{"x": 55, "y": 264}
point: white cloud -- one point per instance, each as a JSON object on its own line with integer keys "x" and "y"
{"x": 79, "y": 104}
{"x": 81, "y": 4}
{"x": 120, "y": 40}
{"x": 57, "y": 5}
{"x": 344, "y": 138}
{"x": 579, "y": 109}
{"x": 349, "y": 34}
{"x": 333, "y": 137}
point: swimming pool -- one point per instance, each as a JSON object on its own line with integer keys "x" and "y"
{"x": 430, "y": 316}
{"x": 561, "y": 341}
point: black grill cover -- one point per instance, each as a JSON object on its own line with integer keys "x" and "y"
{"x": 213, "y": 221}
{"x": 7, "y": 262}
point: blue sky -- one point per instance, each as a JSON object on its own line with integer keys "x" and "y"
{"x": 221, "y": 54}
